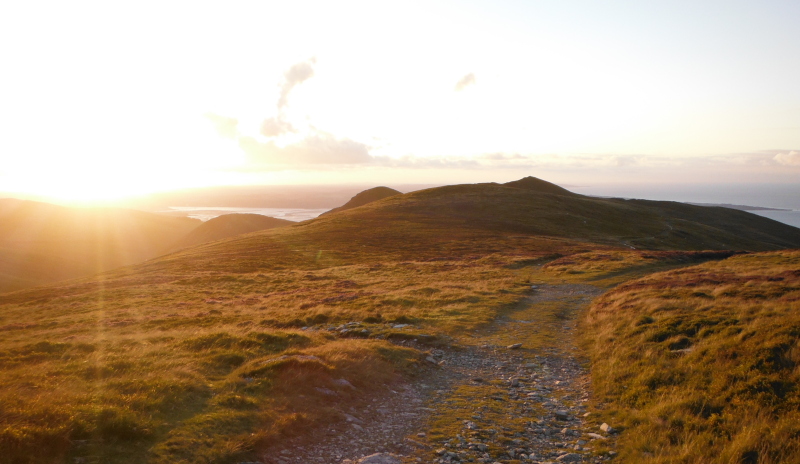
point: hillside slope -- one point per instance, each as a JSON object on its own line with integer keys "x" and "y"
{"x": 41, "y": 243}
{"x": 367, "y": 196}
{"x": 463, "y": 220}
{"x": 229, "y": 225}
{"x": 617, "y": 222}
{"x": 219, "y": 352}
{"x": 701, "y": 364}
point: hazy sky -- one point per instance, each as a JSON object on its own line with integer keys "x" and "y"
{"x": 103, "y": 99}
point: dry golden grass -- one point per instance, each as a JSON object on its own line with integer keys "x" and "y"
{"x": 610, "y": 267}
{"x": 191, "y": 365}
{"x": 42, "y": 243}
{"x": 702, "y": 364}
{"x": 214, "y": 353}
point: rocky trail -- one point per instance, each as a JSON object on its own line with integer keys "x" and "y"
{"x": 513, "y": 392}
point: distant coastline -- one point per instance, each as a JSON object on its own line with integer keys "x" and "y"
{"x": 204, "y": 213}
{"x": 740, "y": 207}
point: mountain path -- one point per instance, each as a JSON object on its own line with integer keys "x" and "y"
{"x": 485, "y": 401}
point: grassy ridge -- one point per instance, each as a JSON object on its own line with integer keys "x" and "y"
{"x": 228, "y": 225}
{"x": 492, "y": 209}
{"x": 702, "y": 364}
{"x": 367, "y": 196}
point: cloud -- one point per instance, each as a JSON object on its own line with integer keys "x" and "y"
{"x": 502, "y": 156}
{"x": 297, "y": 74}
{"x": 625, "y": 160}
{"x": 465, "y": 82}
{"x": 757, "y": 159}
{"x": 225, "y": 126}
{"x": 273, "y": 127}
{"x": 417, "y": 162}
{"x": 317, "y": 149}
{"x": 791, "y": 158}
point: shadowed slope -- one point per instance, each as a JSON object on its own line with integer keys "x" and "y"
{"x": 461, "y": 210}
{"x": 42, "y": 243}
{"x": 367, "y": 196}
{"x": 229, "y": 225}
{"x": 463, "y": 220}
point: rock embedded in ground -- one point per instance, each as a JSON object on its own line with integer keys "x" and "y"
{"x": 380, "y": 458}
{"x": 343, "y": 383}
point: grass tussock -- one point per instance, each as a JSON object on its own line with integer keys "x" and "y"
{"x": 702, "y": 364}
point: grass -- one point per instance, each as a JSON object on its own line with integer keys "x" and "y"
{"x": 42, "y": 243}
{"x": 702, "y": 364}
{"x": 215, "y": 353}
{"x": 207, "y": 366}
{"x": 610, "y": 267}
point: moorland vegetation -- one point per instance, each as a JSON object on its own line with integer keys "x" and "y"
{"x": 702, "y": 364}
{"x": 42, "y": 243}
{"x": 228, "y": 225}
{"x": 218, "y": 351}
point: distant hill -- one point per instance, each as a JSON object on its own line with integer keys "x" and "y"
{"x": 424, "y": 218}
{"x": 474, "y": 219}
{"x": 538, "y": 185}
{"x": 367, "y": 196}
{"x": 41, "y": 242}
{"x": 229, "y": 225}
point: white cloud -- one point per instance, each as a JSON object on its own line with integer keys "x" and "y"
{"x": 297, "y": 74}
{"x": 791, "y": 158}
{"x": 465, "y": 82}
{"x": 318, "y": 148}
{"x": 225, "y": 126}
{"x": 502, "y": 156}
{"x": 274, "y": 127}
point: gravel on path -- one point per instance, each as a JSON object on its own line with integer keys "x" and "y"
{"x": 500, "y": 403}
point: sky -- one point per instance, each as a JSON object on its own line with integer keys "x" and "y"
{"x": 103, "y": 100}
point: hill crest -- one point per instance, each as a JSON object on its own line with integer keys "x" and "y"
{"x": 538, "y": 185}
{"x": 229, "y": 225}
{"x": 365, "y": 197}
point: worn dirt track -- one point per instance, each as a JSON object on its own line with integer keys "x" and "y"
{"x": 486, "y": 400}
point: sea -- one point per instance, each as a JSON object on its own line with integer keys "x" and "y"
{"x": 784, "y": 198}
{"x": 204, "y": 213}
{"x": 787, "y": 217}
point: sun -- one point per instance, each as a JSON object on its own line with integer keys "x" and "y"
{"x": 185, "y": 155}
